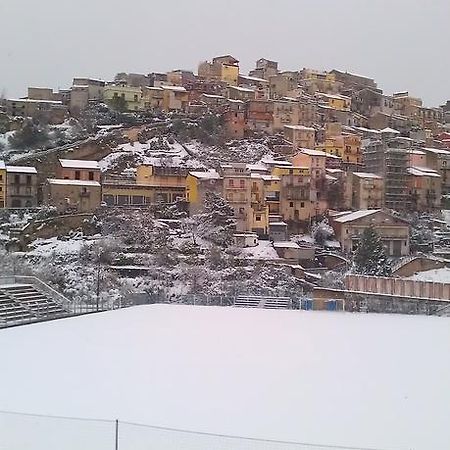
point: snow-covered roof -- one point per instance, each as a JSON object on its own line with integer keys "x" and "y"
{"x": 299, "y": 128}
{"x": 278, "y": 224}
{"x": 256, "y": 79}
{"x": 60, "y": 181}
{"x": 422, "y": 172}
{"x": 232, "y": 100}
{"x": 270, "y": 178}
{"x": 334, "y": 170}
{"x": 367, "y": 175}
{"x": 213, "y": 96}
{"x": 389, "y": 130}
{"x": 437, "y": 151}
{"x": 29, "y": 100}
{"x": 21, "y": 169}
{"x": 241, "y": 89}
{"x": 356, "y": 215}
{"x": 311, "y": 152}
{"x": 174, "y": 88}
{"x": 79, "y": 164}
{"x": 286, "y": 244}
{"x": 334, "y": 96}
{"x": 208, "y": 175}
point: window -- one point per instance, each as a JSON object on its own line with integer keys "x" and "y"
{"x": 28, "y": 179}
{"x": 230, "y": 182}
{"x": 258, "y": 218}
{"x": 91, "y": 176}
{"x": 77, "y": 174}
{"x": 242, "y": 183}
{"x": 302, "y": 204}
{"x": 17, "y": 179}
{"x": 291, "y": 204}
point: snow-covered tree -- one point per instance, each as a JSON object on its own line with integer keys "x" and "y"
{"x": 31, "y": 134}
{"x": 370, "y": 256}
{"x": 216, "y": 223}
{"x": 322, "y": 231}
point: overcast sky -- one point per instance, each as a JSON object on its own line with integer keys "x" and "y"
{"x": 403, "y": 44}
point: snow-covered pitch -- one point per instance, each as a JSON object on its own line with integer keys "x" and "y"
{"x": 377, "y": 381}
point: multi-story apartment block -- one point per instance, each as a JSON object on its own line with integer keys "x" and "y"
{"x": 198, "y": 184}
{"x": 352, "y": 149}
{"x": 2, "y": 184}
{"x": 22, "y": 187}
{"x": 285, "y": 112}
{"x": 392, "y": 165}
{"x": 439, "y": 160}
{"x": 425, "y": 188}
{"x": 283, "y": 85}
{"x": 222, "y": 68}
{"x": 316, "y": 81}
{"x": 295, "y": 193}
{"x": 175, "y": 98}
{"x": 300, "y": 136}
{"x": 131, "y": 96}
{"x": 366, "y": 190}
{"x": 335, "y": 101}
{"x": 259, "y": 116}
{"x": 237, "y": 192}
{"x": 259, "y": 85}
{"x": 265, "y": 68}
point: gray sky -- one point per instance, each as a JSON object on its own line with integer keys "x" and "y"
{"x": 403, "y": 44}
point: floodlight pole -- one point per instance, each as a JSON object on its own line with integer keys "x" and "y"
{"x": 116, "y": 447}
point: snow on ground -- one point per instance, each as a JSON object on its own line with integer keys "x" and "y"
{"x": 44, "y": 247}
{"x": 154, "y": 151}
{"x": 378, "y": 381}
{"x": 264, "y": 250}
{"x": 436, "y": 275}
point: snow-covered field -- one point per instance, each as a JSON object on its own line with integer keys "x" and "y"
{"x": 379, "y": 381}
{"x": 436, "y": 275}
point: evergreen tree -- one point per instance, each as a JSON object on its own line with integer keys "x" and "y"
{"x": 29, "y": 135}
{"x": 370, "y": 257}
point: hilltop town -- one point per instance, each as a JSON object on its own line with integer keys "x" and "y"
{"x": 187, "y": 187}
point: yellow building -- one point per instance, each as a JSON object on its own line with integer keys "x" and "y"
{"x": 222, "y": 68}
{"x": 295, "y": 194}
{"x": 153, "y": 97}
{"x": 229, "y": 74}
{"x": 198, "y": 184}
{"x": 2, "y": 184}
{"x": 352, "y": 149}
{"x": 336, "y": 101}
{"x": 333, "y": 146}
{"x": 314, "y": 81}
{"x": 175, "y": 98}
{"x": 260, "y": 209}
{"x": 272, "y": 191}
{"x": 131, "y": 96}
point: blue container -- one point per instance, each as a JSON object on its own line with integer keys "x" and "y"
{"x": 307, "y": 305}
{"x": 331, "y": 305}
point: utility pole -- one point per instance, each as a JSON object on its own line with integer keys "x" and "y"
{"x": 98, "y": 285}
{"x": 116, "y": 447}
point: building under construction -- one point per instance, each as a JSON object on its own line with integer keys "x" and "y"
{"x": 391, "y": 164}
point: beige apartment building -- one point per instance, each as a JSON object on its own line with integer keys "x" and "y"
{"x": 394, "y": 232}
{"x": 300, "y": 136}
{"x": 366, "y": 190}
{"x": 72, "y": 195}
{"x": 22, "y": 187}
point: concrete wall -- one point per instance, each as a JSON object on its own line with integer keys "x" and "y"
{"x": 398, "y": 287}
